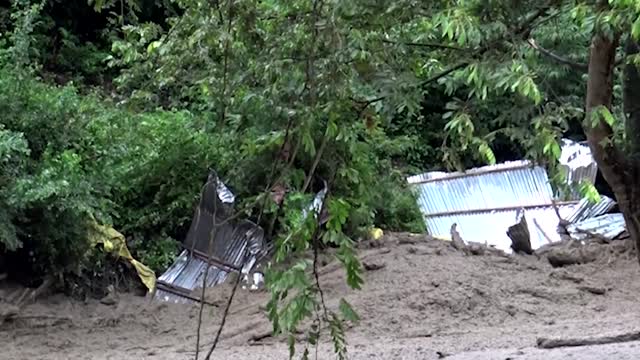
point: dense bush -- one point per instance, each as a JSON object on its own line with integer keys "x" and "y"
{"x": 66, "y": 157}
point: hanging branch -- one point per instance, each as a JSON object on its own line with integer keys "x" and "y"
{"x": 562, "y": 60}
{"x": 224, "y": 317}
{"x": 316, "y": 161}
{"x": 424, "y": 45}
{"x": 204, "y": 278}
{"x": 228, "y": 39}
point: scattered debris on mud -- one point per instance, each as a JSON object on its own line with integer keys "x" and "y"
{"x": 421, "y": 297}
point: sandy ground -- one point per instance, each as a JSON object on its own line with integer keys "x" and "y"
{"x": 427, "y": 301}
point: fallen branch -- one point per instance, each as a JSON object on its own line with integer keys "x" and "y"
{"x": 545, "y": 343}
{"x": 31, "y": 296}
{"x": 426, "y": 45}
{"x": 12, "y": 310}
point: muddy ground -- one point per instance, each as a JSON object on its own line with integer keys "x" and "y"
{"x": 424, "y": 300}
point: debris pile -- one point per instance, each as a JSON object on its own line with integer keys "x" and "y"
{"x": 217, "y": 238}
{"x": 512, "y": 207}
{"x": 228, "y": 244}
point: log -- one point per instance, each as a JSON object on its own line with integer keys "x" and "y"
{"x": 545, "y": 343}
{"x": 19, "y": 301}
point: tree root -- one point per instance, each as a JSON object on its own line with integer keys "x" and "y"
{"x": 18, "y": 301}
{"x": 544, "y": 343}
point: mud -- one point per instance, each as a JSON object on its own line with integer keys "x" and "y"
{"x": 422, "y": 299}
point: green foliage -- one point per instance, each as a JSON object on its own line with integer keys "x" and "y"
{"x": 158, "y": 253}
{"x": 141, "y": 172}
{"x": 13, "y": 150}
{"x": 588, "y": 191}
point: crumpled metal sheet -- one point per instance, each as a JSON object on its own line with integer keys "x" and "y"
{"x": 233, "y": 245}
{"x": 236, "y": 246}
{"x": 317, "y": 203}
{"x": 607, "y": 227}
{"x": 586, "y": 209}
{"x": 577, "y": 158}
{"x": 184, "y": 276}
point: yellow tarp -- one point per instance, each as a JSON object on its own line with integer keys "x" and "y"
{"x": 442, "y": 237}
{"x": 114, "y": 242}
{"x": 376, "y": 233}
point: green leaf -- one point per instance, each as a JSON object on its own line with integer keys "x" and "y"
{"x": 589, "y": 191}
{"x": 309, "y": 144}
{"x": 153, "y": 46}
{"x": 600, "y": 113}
{"x": 487, "y": 153}
{"x": 347, "y": 311}
{"x": 635, "y": 29}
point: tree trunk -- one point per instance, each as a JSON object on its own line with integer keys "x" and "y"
{"x": 617, "y": 169}
{"x": 631, "y": 103}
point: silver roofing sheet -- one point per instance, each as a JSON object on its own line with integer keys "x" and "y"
{"x": 586, "y": 209}
{"x": 491, "y": 226}
{"x": 187, "y": 273}
{"x": 515, "y": 186}
{"x": 484, "y": 201}
{"x": 607, "y": 226}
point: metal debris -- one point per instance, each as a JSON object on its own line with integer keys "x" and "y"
{"x": 577, "y": 159}
{"x": 606, "y": 227}
{"x": 587, "y": 209}
{"x": 317, "y": 203}
{"x": 233, "y": 246}
{"x": 484, "y": 201}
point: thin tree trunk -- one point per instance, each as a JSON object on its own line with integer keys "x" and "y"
{"x": 631, "y": 102}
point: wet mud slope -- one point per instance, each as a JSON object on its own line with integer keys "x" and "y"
{"x": 422, "y": 299}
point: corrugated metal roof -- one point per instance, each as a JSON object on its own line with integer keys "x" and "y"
{"x": 607, "y": 226}
{"x": 586, "y": 209}
{"x": 187, "y": 274}
{"x": 510, "y": 187}
{"x": 491, "y": 226}
{"x": 484, "y": 201}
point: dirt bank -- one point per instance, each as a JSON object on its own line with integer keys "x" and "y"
{"x": 423, "y": 300}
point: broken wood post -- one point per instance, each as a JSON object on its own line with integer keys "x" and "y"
{"x": 456, "y": 240}
{"x": 519, "y": 234}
